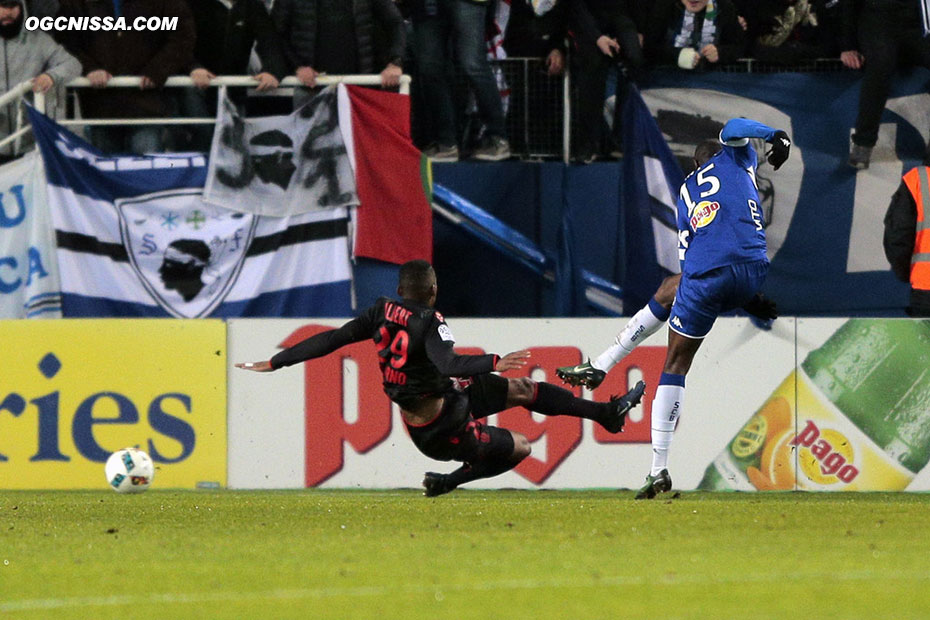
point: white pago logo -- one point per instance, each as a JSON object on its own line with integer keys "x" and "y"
{"x": 187, "y": 253}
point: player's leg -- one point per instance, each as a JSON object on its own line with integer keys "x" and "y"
{"x": 693, "y": 314}
{"x": 666, "y": 409}
{"x": 549, "y": 399}
{"x": 496, "y": 451}
{"x": 485, "y": 451}
{"x": 644, "y": 323}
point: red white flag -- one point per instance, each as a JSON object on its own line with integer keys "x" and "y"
{"x": 394, "y": 220}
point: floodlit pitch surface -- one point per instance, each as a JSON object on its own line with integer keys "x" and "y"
{"x": 471, "y": 554}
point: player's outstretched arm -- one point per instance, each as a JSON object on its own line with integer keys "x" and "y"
{"x": 264, "y": 366}
{"x": 324, "y": 343}
{"x": 737, "y": 132}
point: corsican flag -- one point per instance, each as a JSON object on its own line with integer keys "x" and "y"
{"x": 280, "y": 165}
{"x": 135, "y": 238}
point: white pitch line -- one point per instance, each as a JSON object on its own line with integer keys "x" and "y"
{"x": 513, "y": 584}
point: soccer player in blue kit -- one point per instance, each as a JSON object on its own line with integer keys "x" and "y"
{"x": 723, "y": 266}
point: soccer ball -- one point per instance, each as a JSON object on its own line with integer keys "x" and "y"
{"x": 129, "y": 470}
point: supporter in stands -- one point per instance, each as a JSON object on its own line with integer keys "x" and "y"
{"x": 535, "y": 30}
{"x": 880, "y": 35}
{"x": 694, "y": 33}
{"x": 154, "y": 55}
{"x": 538, "y": 30}
{"x": 226, "y": 32}
{"x": 29, "y": 56}
{"x": 907, "y": 237}
{"x": 607, "y": 37}
{"x": 792, "y": 31}
{"x": 439, "y": 26}
{"x": 340, "y": 38}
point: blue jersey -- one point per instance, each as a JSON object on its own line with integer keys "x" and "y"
{"x": 719, "y": 215}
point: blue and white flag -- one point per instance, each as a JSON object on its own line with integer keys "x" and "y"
{"x": 135, "y": 238}
{"x": 29, "y": 285}
{"x": 651, "y": 180}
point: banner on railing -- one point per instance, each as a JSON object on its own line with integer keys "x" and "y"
{"x": 395, "y": 222}
{"x": 347, "y": 146}
{"x": 135, "y": 238}
{"x": 280, "y": 165}
{"x": 29, "y": 285}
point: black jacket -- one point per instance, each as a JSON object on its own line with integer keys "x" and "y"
{"x": 528, "y": 34}
{"x": 665, "y": 20}
{"x": 900, "y": 234}
{"x": 296, "y": 20}
{"x": 137, "y": 52}
{"x": 903, "y": 13}
{"x": 225, "y": 37}
{"x": 593, "y": 18}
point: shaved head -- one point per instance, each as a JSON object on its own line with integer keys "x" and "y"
{"x": 705, "y": 150}
{"x": 417, "y": 281}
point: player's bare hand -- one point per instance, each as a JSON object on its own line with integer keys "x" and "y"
{"x": 256, "y": 366}
{"x": 512, "y": 361}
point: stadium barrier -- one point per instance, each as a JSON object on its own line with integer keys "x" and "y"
{"x": 540, "y": 118}
{"x": 17, "y": 93}
{"x": 812, "y": 404}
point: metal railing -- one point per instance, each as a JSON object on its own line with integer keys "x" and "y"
{"x": 16, "y": 94}
{"x": 521, "y": 70}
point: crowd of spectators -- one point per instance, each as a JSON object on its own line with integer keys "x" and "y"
{"x": 442, "y": 41}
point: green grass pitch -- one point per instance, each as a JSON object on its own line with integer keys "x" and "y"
{"x": 470, "y": 554}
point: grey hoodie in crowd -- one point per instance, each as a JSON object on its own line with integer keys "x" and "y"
{"x": 27, "y": 55}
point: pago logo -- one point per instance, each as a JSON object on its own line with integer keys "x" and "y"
{"x": 825, "y": 455}
{"x": 704, "y": 213}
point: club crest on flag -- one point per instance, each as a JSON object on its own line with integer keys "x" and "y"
{"x": 187, "y": 253}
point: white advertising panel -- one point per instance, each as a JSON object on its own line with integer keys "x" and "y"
{"x": 327, "y": 423}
